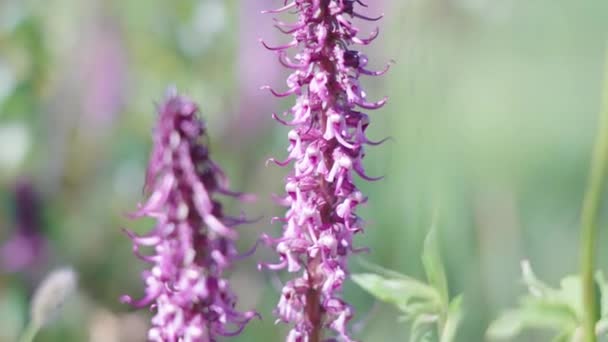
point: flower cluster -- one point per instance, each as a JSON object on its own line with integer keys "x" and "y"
{"x": 193, "y": 240}
{"x": 326, "y": 143}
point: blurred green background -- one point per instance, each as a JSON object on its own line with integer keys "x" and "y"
{"x": 492, "y": 112}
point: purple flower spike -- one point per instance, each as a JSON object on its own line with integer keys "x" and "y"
{"x": 326, "y": 143}
{"x": 193, "y": 241}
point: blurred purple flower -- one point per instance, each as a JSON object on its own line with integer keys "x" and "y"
{"x": 193, "y": 240}
{"x": 326, "y": 146}
{"x": 27, "y": 246}
{"x": 104, "y": 71}
{"x": 249, "y": 122}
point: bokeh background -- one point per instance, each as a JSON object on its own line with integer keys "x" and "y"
{"x": 492, "y": 112}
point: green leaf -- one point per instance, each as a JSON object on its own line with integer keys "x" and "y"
{"x": 421, "y": 308}
{"x": 566, "y": 336}
{"x": 400, "y": 292}
{"x": 601, "y": 328}
{"x": 431, "y": 260}
{"x": 422, "y": 328}
{"x": 536, "y": 287}
{"x": 534, "y": 313}
{"x": 539, "y": 312}
{"x": 570, "y": 294}
{"x": 507, "y": 325}
{"x": 603, "y": 285}
{"x": 454, "y": 316}
{"x": 383, "y": 271}
{"x": 558, "y": 309}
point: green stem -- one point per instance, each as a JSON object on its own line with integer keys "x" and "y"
{"x": 29, "y": 333}
{"x": 591, "y": 202}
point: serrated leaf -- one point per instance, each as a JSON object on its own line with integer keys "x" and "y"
{"x": 454, "y": 316}
{"x": 433, "y": 266}
{"x": 400, "y": 292}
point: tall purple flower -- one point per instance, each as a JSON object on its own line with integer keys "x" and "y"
{"x": 193, "y": 240}
{"x": 326, "y": 139}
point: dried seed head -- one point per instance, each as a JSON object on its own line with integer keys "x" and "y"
{"x": 51, "y": 295}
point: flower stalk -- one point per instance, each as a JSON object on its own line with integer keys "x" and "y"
{"x": 193, "y": 240}
{"x": 326, "y": 146}
{"x": 591, "y": 203}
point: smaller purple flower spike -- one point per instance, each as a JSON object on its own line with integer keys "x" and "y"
{"x": 193, "y": 241}
{"x": 27, "y": 245}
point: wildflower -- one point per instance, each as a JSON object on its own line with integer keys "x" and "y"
{"x": 27, "y": 246}
{"x": 193, "y": 240}
{"x": 102, "y": 65}
{"x": 326, "y": 143}
{"x": 249, "y": 124}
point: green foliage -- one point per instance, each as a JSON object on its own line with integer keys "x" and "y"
{"x": 433, "y": 266}
{"x": 424, "y": 305}
{"x": 557, "y": 309}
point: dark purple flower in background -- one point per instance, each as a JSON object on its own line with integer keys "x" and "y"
{"x": 27, "y": 246}
{"x": 327, "y": 139}
{"x": 193, "y": 240}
